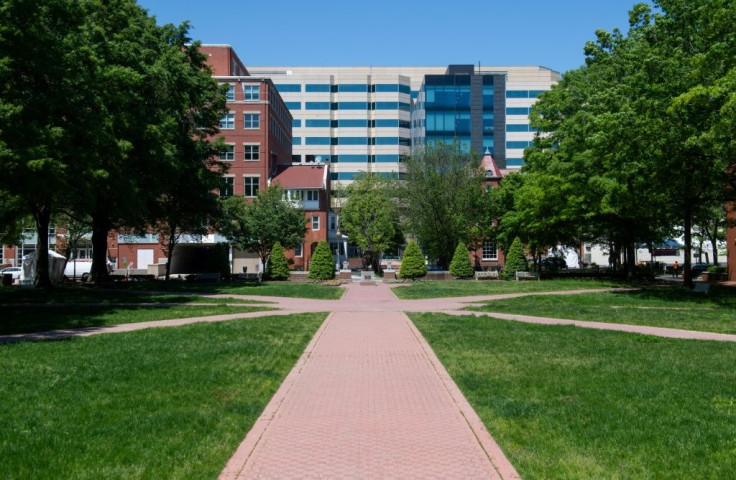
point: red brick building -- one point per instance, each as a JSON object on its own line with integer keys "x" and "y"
{"x": 257, "y": 132}
{"x": 308, "y": 185}
{"x": 488, "y": 256}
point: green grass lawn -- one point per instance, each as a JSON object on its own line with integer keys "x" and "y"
{"x": 158, "y": 403}
{"x": 76, "y": 294}
{"x": 671, "y": 307}
{"x": 566, "y": 402}
{"x": 455, "y": 288}
{"x": 39, "y": 318}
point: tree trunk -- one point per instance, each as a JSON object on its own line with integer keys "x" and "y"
{"x": 42, "y": 218}
{"x": 688, "y": 225}
{"x": 99, "y": 272}
{"x": 714, "y": 244}
{"x": 171, "y": 244}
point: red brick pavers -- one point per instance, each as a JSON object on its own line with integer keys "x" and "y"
{"x": 368, "y": 400}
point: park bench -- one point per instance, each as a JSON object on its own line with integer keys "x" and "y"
{"x": 486, "y": 275}
{"x": 701, "y": 287}
{"x": 526, "y": 276}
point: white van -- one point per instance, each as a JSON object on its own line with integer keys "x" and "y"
{"x": 78, "y": 269}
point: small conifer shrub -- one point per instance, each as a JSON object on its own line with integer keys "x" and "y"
{"x": 322, "y": 265}
{"x": 278, "y": 267}
{"x": 460, "y": 265}
{"x": 412, "y": 264}
{"x": 515, "y": 260}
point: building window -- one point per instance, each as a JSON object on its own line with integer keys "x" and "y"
{"x": 228, "y": 121}
{"x": 227, "y": 154}
{"x": 315, "y": 222}
{"x": 230, "y": 95}
{"x": 252, "y": 153}
{"x": 282, "y": 88}
{"x": 490, "y": 252}
{"x": 317, "y": 105}
{"x": 309, "y": 123}
{"x": 317, "y": 87}
{"x": 252, "y": 121}
{"x": 299, "y": 250}
{"x": 251, "y": 93}
{"x": 226, "y": 190}
{"x": 312, "y": 195}
{"x": 251, "y": 186}
{"x": 293, "y": 105}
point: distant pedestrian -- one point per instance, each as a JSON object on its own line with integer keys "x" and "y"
{"x": 674, "y": 270}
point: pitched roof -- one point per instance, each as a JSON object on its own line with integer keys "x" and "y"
{"x": 302, "y": 176}
{"x": 488, "y": 164}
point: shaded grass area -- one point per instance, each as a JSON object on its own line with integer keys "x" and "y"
{"x": 77, "y": 294}
{"x": 566, "y": 402}
{"x": 670, "y": 307}
{"x": 158, "y": 403}
{"x": 269, "y": 289}
{"x": 454, "y": 288}
{"x": 40, "y": 318}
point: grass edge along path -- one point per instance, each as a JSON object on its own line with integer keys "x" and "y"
{"x": 471, "y": 288}
{"x": 267, "y": 289}
{"x": 670, "y": 307}
{"x": 42, "y": 318}
{"x": 156, "y": 403}
{"x": 566, "y": 402}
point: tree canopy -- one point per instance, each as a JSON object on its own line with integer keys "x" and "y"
{"x": 102, "y": 113}
{"x": 633, "y": 143}
{"x": 256, "y": 225}
{"x": 440, "y": 197}
{"x": 370, "y": 217}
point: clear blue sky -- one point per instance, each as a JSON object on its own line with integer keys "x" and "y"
{"x": 399, "y": 32}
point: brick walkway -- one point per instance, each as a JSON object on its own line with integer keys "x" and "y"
{"x": 368, "y": 400}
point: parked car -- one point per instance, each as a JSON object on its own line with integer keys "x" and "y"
{"x": 15, "y": 271}
{"x": 554, "y": 263}
{"x": 697, "y": 268}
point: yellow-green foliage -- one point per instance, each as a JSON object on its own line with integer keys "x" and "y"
{"x": 412, "y": 265}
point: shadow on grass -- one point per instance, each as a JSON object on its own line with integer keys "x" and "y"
{"x": 719, "y": 295}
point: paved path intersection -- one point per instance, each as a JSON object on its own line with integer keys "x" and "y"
{"x": 368, "y": 398}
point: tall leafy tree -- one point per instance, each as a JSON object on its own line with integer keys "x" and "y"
{"x": 159, "y": 108}
{"x": 440, "y": 198}
{"x": 256, "y": 225}
{"x": 370, "y": 217}
{"x": 41, "y": 109}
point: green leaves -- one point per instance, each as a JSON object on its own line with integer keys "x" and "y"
{"x": 370, "y": 217}
{"x": 322, "y": 265}
{"x": 440, "y": 198}
{"x": 413, "y": 265}
{"x": 258, "y": 224}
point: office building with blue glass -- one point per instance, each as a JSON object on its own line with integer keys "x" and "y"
{"x": 366, "y": 119}
{"x": 461, "y": 106}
